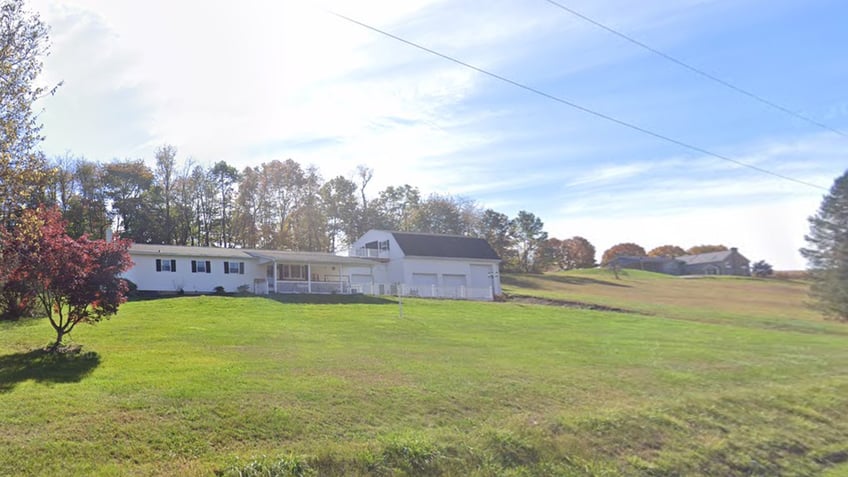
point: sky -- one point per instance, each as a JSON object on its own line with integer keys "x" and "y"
{"x": 252, "y": 81}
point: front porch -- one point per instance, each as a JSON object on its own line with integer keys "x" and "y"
{"x": 311, "y": 273}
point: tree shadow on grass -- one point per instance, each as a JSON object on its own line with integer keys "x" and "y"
{"x": 323, "y": 299}
{"x": 563, "y": 279}
{"x": 44, "y": 367}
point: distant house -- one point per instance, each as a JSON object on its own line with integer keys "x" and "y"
{"x": 729, "y": 262}
{"x": 381, "y": 262}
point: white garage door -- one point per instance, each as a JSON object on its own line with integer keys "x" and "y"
{"x": 454, "y": 280}
{"x": 424, "y": 284}
{"x": 454, "y": 286}
{"x": 481, "y": 282}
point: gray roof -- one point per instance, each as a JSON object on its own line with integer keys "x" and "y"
{"x": 246, "y": 254}
{"x": 711, "y": 257}
{"x": 444, "y": 246}
{"x": 187, "y": 251}
{"x": 307, "y": 257}
{"x": 644, "y": 259}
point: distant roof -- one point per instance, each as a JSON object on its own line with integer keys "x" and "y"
{"x": 706, "y": 257}
{"x": 446, "y": 246}
{"x": 644, "y": 259}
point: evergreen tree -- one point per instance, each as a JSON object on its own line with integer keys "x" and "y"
{"x": 827, "y": 255}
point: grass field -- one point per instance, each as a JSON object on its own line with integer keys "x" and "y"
{"x": 707, "y": 376}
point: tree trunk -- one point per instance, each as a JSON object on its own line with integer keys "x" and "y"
{"x": 60, "y": 333}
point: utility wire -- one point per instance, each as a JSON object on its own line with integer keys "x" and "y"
{"x": 575, "y": 105}
{"x": 695, "y": 70}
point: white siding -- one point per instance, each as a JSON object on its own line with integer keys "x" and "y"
{"x": 145, "y": 276}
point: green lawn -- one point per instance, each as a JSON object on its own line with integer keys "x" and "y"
{"x": 743, "y": 384}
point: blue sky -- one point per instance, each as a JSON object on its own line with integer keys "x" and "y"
{"x": 277, "y": 80}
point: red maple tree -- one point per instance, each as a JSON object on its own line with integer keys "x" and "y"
{"x": 74, "y": 280}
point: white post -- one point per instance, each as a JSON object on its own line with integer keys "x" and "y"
{"x": 341, "y": 284}
{"x": 275, "y": 278}
{"x": 308, "y": 278}
{"x": 400, "y": 301}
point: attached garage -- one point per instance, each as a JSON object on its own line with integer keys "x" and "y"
{"x": 481, "y": 282}
{"x": 424, "y": 284}
{"x": 454, "y": 286}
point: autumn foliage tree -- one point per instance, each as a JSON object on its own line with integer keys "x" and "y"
{"x": 577, "y": 252}
{"x": 667, "y": 251}
{"x": 73, "y": 280}
{"x": 698, "y": 249}
{"x": 625, "y": 249}
{"x": 24, "y": 43}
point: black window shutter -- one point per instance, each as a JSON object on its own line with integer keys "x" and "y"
{"x": 173, "y": 265}
{"x": 241, "y": 268}
{"x": 193, "y": 266}
{"x": 226, "y": 267}
{"x": 158, "y": 264}
{"x": 208, "y": 266}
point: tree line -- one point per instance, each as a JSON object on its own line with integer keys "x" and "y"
{"x": 279, "y": 204}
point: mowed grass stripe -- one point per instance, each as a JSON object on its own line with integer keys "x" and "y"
{"x": 186, "y": 384}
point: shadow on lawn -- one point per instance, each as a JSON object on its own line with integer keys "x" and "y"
{"x": 564, "y": 279}
{"x": 317, "y": 299}
{"x": 41, "y": 366}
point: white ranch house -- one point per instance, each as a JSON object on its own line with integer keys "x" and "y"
{"x": 379, "y": 263}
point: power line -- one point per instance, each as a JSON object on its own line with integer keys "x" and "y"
{"x": 695, "y": 70}
{"x": 575, "y": 105}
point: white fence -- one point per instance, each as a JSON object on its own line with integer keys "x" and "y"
{"x": 312, "y": 287}
{"x": 425, "y": 291}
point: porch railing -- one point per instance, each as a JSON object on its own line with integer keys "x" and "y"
{"x": 423, "y": 291}
{"x": 287, "y": 286}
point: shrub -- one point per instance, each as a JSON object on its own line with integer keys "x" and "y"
{"x": 132, "y": 288}
{"x": 242, "y": 289}
{"x": 219, "y": 290}
{"x": 16, "y": 301}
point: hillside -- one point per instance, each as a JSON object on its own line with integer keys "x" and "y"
{"x": 712, "y": 376}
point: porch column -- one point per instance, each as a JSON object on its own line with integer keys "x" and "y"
{"x": 275, "y": 277}
{"x": 308, "y": 278}
{"x": 341, "y": 284}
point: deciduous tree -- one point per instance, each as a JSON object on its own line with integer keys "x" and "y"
{"x": 338, "y": 201}
{"x": 529, "y": 233}
{"x": 74, "y": 280}
{"x": 226, "y": 178}
{"x": 498, "y": 230}
{"x": 827, "y": 251}
{"x": 761, "y": 269}
{"x": 166, "y": 164}
{"x": 577, "y": 252}
{"x": 698, "y": 249}
{"x": 667, "y": 251}
{"x": 623, "y": 249}
{"x": 24, "y": 43}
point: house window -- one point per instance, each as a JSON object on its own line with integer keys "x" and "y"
{"x": 201, "y": 266}
{"x": 166, "y": 265}
{"x": 292, "y": 272}
{"x": 235, "y": 268}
